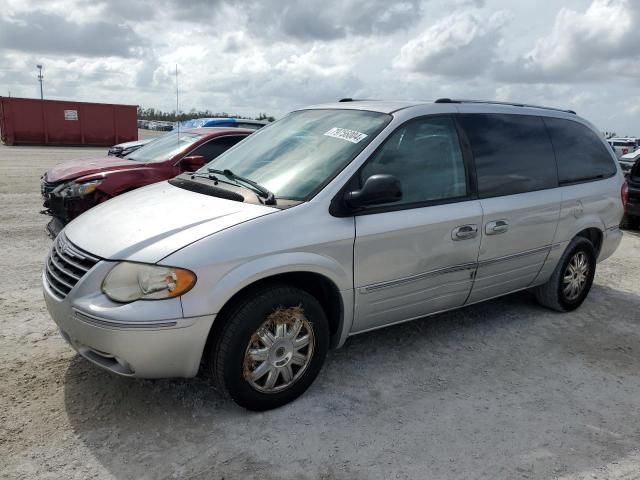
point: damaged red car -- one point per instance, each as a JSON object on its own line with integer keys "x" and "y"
{"x": 72, "y": 188}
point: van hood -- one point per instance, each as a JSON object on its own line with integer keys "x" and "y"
{"x": 149, "y": 223}
{"x": 89, "y": 166}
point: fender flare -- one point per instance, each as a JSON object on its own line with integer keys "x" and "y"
{"x": 246, "y": 274}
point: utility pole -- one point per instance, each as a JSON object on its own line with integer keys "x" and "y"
{"x": 40, "y": 77}
{"x": 177, "y": 104}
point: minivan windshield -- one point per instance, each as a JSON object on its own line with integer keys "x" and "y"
{"x": 298, "y": 154}
{"x": 165, "y": 147}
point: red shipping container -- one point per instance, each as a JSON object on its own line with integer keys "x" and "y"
{"x": 28, "y": 121}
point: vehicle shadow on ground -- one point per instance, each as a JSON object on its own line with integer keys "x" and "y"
{"x": 495, "y": 353}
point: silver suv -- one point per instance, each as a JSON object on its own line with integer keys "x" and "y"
{"x": 333, "y": 221}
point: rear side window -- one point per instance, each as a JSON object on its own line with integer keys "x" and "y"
{"x": 581, "y": 155}
{"x": 512, "y": 153}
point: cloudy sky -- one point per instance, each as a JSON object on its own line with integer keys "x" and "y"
{"x": 250, "y": 56}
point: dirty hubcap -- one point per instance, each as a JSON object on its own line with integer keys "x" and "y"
{"x": 575, "y": 276}
{"x": 279, "y": 351}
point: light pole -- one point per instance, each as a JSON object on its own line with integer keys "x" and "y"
{"x": 40, "y": 77}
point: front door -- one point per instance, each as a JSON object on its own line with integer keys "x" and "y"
{"x": 417, "y": 256}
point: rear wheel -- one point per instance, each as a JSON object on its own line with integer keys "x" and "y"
{"x": 571, "y": 281}
{"x": 271, "y": 347}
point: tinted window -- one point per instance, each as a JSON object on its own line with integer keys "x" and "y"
{"x": 512, "y": 153}
{"x": 424, "y": 154}
{"x": 215, "y": 147}
{"x": 581, "y": 154}
{"x": 301, "y": 152}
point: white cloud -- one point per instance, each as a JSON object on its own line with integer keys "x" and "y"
{"x": 461, "y": 44}
{"x": 583, "y": 46}
{"x": 251, "y": 56}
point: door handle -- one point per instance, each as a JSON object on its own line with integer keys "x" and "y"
{"x": 464, "y": 232}
{"x": 497, "y": 226}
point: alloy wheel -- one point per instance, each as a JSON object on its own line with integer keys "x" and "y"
{"x": 279, "y": 351}
{"x": 575, "y": 276}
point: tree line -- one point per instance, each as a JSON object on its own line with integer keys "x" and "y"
{"x": 153, "y": 114}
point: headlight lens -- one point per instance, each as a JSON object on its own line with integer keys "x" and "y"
{"x": 127, "y": 282}
{"x": 74, "y": 189}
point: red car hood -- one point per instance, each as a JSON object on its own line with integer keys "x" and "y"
{"x": 89, "y": 166}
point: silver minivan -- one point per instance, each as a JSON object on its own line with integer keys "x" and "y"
{"x": 333, "y": 221}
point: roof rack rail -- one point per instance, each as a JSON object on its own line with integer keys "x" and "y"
{"x": 356, "y": 100}
{"x": 492, "y": 102}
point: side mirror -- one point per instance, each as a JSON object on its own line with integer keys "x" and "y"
{"x": 377, "y": 189}
{"x": 193, "y": 163}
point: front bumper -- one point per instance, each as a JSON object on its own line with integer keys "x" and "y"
{"x": 66, "y": 209}
{"x": 145, "y": 339}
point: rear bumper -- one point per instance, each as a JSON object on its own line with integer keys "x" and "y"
{"x": 169, "y": 347}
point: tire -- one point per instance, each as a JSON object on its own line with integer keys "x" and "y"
{"x": 238, "y": 353}
{"x": 553, "y": 294}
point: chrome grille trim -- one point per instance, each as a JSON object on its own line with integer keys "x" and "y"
{"x": 66, "y": 265}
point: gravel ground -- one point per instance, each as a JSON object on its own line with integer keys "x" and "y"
{"x": 501, "y": 390}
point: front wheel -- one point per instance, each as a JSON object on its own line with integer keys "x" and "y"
{"x": 571, "y": 281}
{"x": 271, "y": 347}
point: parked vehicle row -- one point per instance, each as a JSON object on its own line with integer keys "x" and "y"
{"x": 624, "y": 145}
{"x": 335, "y": 220}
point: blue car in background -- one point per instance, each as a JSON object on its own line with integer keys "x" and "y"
{"x": 221, "y": 122}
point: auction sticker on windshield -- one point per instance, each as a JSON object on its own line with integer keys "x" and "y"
{"x": 345, "y": 134}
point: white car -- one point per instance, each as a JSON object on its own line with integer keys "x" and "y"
{"x": 624, "y": 145}
{"x": 628, "y": 161}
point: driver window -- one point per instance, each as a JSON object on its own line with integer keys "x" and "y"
{"x": 424, "y": 154}
{"x": 215, "y": 147}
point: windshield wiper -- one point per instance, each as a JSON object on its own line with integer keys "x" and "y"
{"x": 269, "y": 197}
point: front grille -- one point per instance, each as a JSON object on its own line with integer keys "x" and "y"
{"x": 66, "y": 265}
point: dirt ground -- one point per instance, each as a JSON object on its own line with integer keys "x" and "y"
{"x": 502, "y": 390}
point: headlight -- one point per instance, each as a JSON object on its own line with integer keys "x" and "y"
{"x": 74, "y": 189}
{"x": 127, "y": 282}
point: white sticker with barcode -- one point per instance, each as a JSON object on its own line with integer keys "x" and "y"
{"x": 345, "y": 134}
